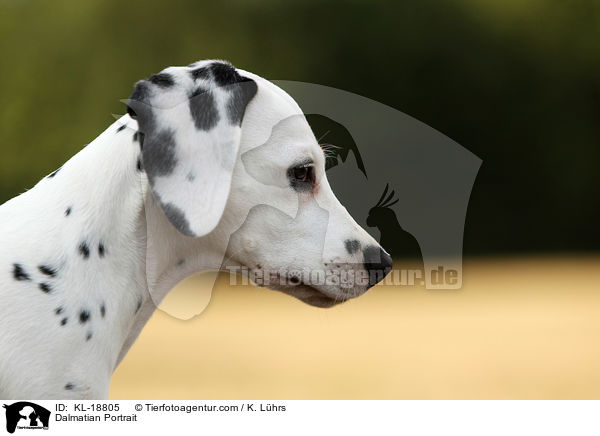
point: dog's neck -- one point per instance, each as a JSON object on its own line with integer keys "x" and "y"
{"x": 150, "y": 255}
{"x": 91, "y": 257}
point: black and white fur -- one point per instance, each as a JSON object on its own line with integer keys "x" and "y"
{"x": 204, "y": 153}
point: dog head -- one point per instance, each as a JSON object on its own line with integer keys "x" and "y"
{"x": 228, "y": 153}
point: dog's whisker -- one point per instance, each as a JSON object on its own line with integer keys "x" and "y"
{"x": 323, "y": 136}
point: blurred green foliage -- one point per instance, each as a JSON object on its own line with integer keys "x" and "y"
{"x": 516, "y": 82}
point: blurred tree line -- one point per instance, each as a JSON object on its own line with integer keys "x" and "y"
{"x": 516, "y": 82}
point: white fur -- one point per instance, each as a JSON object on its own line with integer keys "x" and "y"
{"x": 112, "y": 204}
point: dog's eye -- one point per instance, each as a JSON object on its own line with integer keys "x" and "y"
{"x": 302, "y": 177}
{"x": 303, "y": 174}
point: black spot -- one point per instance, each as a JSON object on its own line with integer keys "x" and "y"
{"x": 204, "y": 109}
{"x": 140, "y": 108}
{"x": 295, "y": 280}
{"x": 159, "y": 155}
{"x": 190, "y": 177}
{"x": 45, "y": 287}
{"x": 101, "y": 249}
{"x": 139, "y": 136}
{"x": 84, "y": 250}
{"x": 54, "y": 173}
{"x": 200, "y": 73}
{"x": 68, "y": 211}
{"x": 47, "y": 270}
{"x": 139, "y": 305}
{"x": 224, "y": 73}
{"x": 164, "y": 80}
{"x": 84, "y": 316}
{"x": 178, "y": 219}
{"x": 137, "y": 99}
{"x": 63, "y": 321}
{"x": 88, "y": 336}
{"x": 140, "y": 166}
{"x": 19, "y": 273}
{"x": 121, "y": 128}
{"x": 241, "y": 95}
{"x": 69, "y": 386}
{"x": 58, "y": 310}
{"x": 180, "y": 262}
{"x": 352, "y": 245}
{"x": 103, "y": 310}
{"x": 242, "y": 89}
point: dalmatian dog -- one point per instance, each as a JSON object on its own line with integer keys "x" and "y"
{"x": 211, "y": 166}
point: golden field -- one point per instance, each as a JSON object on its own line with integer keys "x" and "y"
{"x": 522, "y": 328}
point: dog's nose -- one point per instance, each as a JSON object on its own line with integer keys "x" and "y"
{"x": 377, "y": 263}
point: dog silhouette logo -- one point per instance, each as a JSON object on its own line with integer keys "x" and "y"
{"x": 26, "y": 415}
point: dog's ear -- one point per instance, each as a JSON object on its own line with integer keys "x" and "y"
{"x": 190, "y": 123}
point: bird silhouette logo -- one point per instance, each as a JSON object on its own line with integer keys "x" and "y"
{"x": 399, "y": 243}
